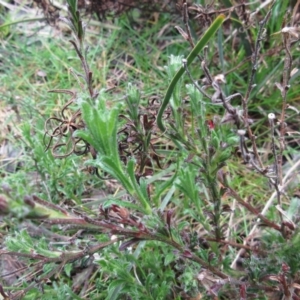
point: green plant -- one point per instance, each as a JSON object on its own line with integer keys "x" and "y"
{"x": 180, "y": 220}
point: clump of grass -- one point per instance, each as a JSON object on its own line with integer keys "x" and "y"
{"x": 191, "y": 198}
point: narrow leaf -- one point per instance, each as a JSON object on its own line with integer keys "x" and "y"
{"x": 200, "y": 45}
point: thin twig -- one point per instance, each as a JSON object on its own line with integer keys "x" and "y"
{"x": 186, "y": 24}
{"x": 271, "y": 118}
{"x": 250, "y": 208}
{"x": 260, "y": 37}
{"x": 285, "y": 89}
{"x": 201, "y": 90}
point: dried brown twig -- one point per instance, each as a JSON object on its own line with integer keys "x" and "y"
{"x": 65, "y": 129}
{"x": 251, "y": 85}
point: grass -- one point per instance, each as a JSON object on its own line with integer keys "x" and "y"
{"x": 176, "y": 216}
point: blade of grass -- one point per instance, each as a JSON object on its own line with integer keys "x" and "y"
{"x": 199, "y": 46}
{"x": 21, "y": 21}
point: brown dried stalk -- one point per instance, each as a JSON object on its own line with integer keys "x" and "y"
{"x": 65, "y": 130}
{"x": 251, "y": 85}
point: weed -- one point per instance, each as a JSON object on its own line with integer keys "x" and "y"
{"x": 155, "y": 192}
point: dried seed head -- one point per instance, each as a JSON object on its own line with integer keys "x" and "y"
{"x": 271, "y": 116}
{"x": 241, "y": 132}
{"x": 220, "y": 78}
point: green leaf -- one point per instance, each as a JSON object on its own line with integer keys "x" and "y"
{"x": 169, "y": 258}
{"x": 199, "y": 46}
{"x": 140, "y": 193}
{"x": 162, "y": 187}
{"x": 133, "y": 101}
{"x": 101, "y": 129}
{"x": 108, "y": 164}
{"x": 68, "y": 268}
{"x": 144, "y": 188}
